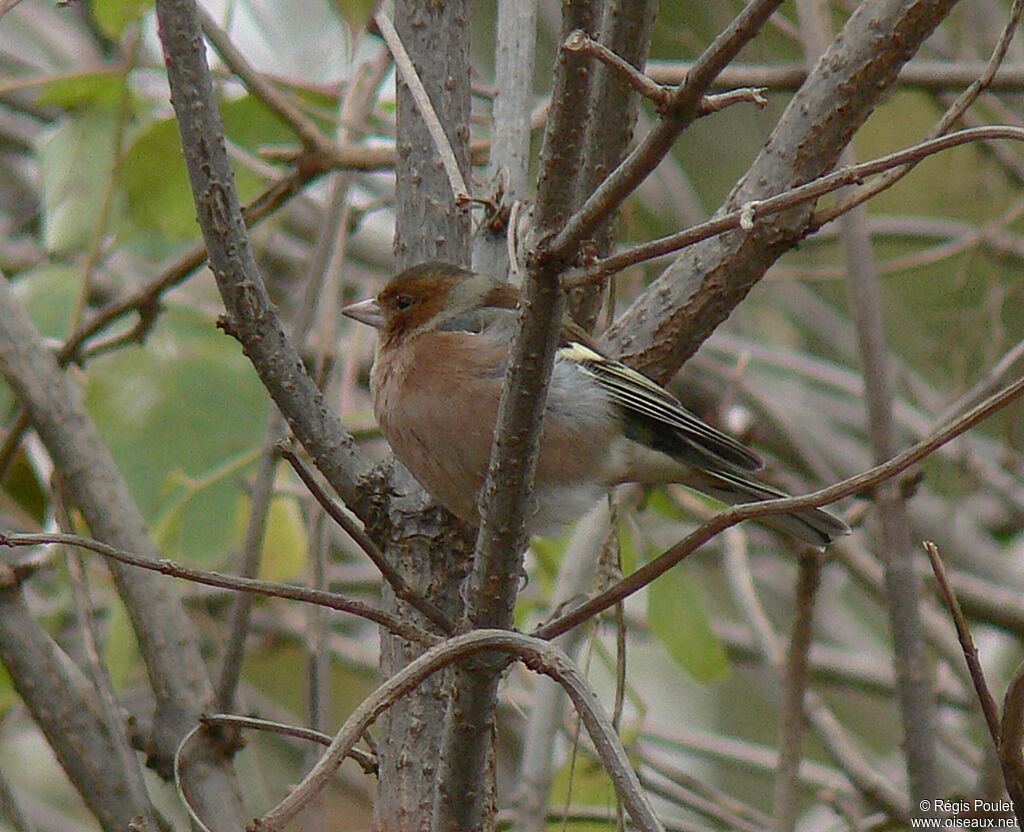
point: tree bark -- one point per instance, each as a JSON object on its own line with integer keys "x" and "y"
{"x": 430, "y": 549}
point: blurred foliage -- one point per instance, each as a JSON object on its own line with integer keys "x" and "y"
{"x": 185, "y": 416}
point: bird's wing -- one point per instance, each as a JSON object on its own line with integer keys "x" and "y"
{"x": 652, "y": 415}
{"x": 649, "y": 409}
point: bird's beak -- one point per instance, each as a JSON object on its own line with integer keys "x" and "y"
{"x": 366, "y": 312}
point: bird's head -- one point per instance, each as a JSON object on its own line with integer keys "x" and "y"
{"x": 427, "y": 296}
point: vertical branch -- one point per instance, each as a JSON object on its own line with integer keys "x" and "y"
{"x": 318, "y": 660}
{"x": 500, "y": 545}
{"x": 502, "y": 536}
{"x": 429, "y": 223}
{"x": 575, "y": 576}
{"x": 509, "y": 167}
{"x": 167, "y": 639}
{"x": 913, "y": 675}
{"x": 252, "y": 551}
{"x": 428, "y": 550}
{"x": 794, "y": 689}
{"x": 565, "y": 134}
{"x": 626, "y": 29}
{"x": 875, "y": 787}
{"x": 67, "y": 710}
{"x": 913, "y": 678}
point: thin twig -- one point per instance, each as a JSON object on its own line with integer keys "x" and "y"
{"x": 146, "y": 299}
{"x": 318, "y": 658}
{"x": 367, "y": 761}
{"x": 313, "y": 139}
{"x": 875, "y": 787}
{"x": 680, "y": 111}
{"x": 100, "y": 230}
{"x": 958, "y": 237}
{"x": 866, "y": 569}
{"x": 682, "y": 742}
{"x": 713, "y": 796}
{"x": 918, "y": 73}
{"x": 716, "y": 103}
{"x": 272, "y": 589}
{"x": 575, "y": 577}
{"x": 991, "y": 380}
{"x": 348, "y": 524}
{"x": 1007, "y": 748}
{"x": 130, "y": 772}
{"x": 358, "y": 157}
{"x": 260, "y": 499}
{"x": 749, "y": 511}
{"x": 721, "y": 815}
{"x": 794, "y": 686}
{"x": 989, "y": 708}
{"x": 538, "y": 656}
{"x": 403, "y": 62}
{"x": 949, "y": 118}
{"x": 180, "y": 783}
{"x": 748, "y": 214}
{"x": 580, "y": 41}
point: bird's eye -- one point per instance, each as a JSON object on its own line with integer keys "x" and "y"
{"x": 403, "y": 301}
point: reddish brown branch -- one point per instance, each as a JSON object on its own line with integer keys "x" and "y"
{"x": 354, "y": 531}
{"x": 271, "y": 589}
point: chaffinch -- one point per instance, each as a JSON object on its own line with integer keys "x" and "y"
{"x": 443, "y": 344}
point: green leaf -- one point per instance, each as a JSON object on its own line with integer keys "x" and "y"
{"x": 180, "y": 415}
{"x": 549, "y": 552}
{"x": 628, "y": 554}
{"x": 251, "y": 124}
{"x": 658, "y": 500}
{"x": 167, "y": 530}
{"x": 677, "y": 618}
{"x": 21, "y": 485}
{"x": 154, "y": 180}
{"x": 48, "y": 293}
{"x": 586, "y": 783}
{"x": 102, "y": 87}
{"x": 74, "y": 161}
{"x": 7, "y": 695}
{"x": 155, "y": 184}
{"x": 284, "y": 542}
{"x": 121, "y": 649}
{"x": 356, "y": 13}
{"x": 167, "y": 527}
{"x": 112, "y": 16}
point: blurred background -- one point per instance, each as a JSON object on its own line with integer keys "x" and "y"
{"x": 96, "y": 215}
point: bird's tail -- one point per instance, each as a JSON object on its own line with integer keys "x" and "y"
{"x": 814, "y": 525}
